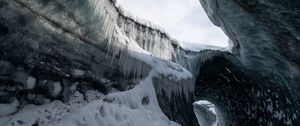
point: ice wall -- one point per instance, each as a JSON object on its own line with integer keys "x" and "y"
{"x": 149, "y": 37}
{"x": 262, "y": 74}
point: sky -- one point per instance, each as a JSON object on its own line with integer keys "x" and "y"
{"x": 184, "y": 20}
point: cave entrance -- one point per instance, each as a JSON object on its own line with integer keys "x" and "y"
{"x": 206, "y": 113}
{"x": 227, "y": 89}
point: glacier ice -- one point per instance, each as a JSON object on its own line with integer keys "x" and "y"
{"x": 141, "y": 46}
{"x": 140, "y": 50}
{"x": 138, "y": 32}
{"x": 206, "y": 113}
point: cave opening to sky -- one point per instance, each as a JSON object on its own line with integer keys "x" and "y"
{"x": 184, "y": 20}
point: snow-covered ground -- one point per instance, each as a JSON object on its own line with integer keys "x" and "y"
{"x": 197, "y": 47}
{"x": 136, "y": 107}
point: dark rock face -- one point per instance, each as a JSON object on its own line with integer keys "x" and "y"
{"x": 259, "y": 83}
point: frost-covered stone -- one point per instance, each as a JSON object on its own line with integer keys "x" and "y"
{"x": 206, "y": 113}
{"x": 78, "y": 73}
{"x": 55, "y": 88}
{"x": 30, "y": 82}
{"x": 93, "y": 95}
{"x": 69, "y": 89}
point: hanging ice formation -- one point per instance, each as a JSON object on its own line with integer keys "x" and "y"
{"x": 141, "y": 46}
{"x": 148, "y": 37}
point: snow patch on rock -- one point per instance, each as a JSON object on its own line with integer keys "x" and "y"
{"x": 31, "y": 82}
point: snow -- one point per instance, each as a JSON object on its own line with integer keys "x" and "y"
{"x": 203, "y": 102}
{"x": 204, "y": 118}
{"x": 140, "y": 21}
{"x": 56, "y": 89}
{"x": 197, "y": 47}
{"x": 30, "y": 82}
{"x": 139, "y": 61}
{"x": 124, "y": 108}
{"x": 7, "y": 109}
{"x": 208, "y": 104}
{"x": 47, "y": 114}
{"x": 93, "y": 95}
{"x": 118, "y": 109}
{"x": 77, "y": 72}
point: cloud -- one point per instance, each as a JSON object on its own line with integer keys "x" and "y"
{"x": 184, "y": 20}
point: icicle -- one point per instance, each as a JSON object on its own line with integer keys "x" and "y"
{"x": 106, "y": 17}
{"x": 133, "y": 66}
{"x": 148, "y": 36}
{"x": 171, "y": 87}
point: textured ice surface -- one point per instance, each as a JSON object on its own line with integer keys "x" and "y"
{"x": 171, "y": 71}
{"x": 206, "y": 113}
{"x": 31, "y": 81}
{"x": 56, "y": 88}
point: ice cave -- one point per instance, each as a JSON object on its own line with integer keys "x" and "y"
{"x": 92, "y": 63}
